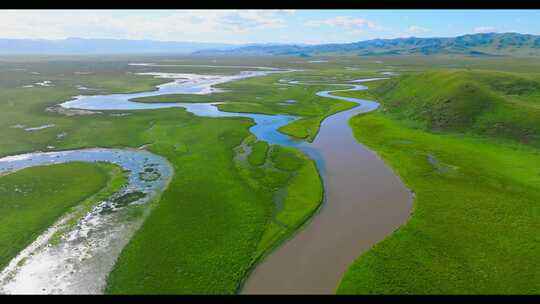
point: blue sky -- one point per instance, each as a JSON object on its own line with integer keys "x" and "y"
{"x": 259, "y": 26}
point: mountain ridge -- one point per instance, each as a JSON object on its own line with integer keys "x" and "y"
{"x": 482, "y": 44}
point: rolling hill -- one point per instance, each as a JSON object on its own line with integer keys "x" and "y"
{"x": 494, "y": 104}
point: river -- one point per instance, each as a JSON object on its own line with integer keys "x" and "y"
{"x": 364, "y": 200}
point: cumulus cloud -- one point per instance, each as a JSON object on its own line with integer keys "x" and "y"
{"x": 347, "y": 22}
{"x": 415, "y": 29}
{"x": 485, "y": 29}
{"x": 171, "y": 25}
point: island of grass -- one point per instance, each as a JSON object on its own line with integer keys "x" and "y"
{"x": 296, "y": 188}
{"x": 475, "y": 220}
{"x": 216, "y": 237}
{"x": 33, "y": 199}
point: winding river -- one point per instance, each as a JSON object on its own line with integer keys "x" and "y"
{"x": 364, "y": 200}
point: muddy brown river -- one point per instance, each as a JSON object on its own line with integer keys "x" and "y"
{"x": 364, "y": 202}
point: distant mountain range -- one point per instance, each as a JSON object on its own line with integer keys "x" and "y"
{"x": 103, "y": 46}
{"x": 488, "y": 44}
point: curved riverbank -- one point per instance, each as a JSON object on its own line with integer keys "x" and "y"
{"x": 364, "y": 202}
{"x": 84, "y": 254}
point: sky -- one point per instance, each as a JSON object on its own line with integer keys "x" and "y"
{"x": 262, "y": 26}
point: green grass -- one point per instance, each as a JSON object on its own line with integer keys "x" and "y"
{"x": 117, "y": 178}
{"x": 284, "y": 159}
{"x": 214, "y": 217}
{"x": 291, "y": 182}
{"x": 496, "y": 104}
{"x": 302, "y": 196}
{"x": 257, "y": 157}
{"x": 466, "y": 143}
{"x": 32, "y": 199}
{"x": 212, "y": 221}
{"x": 473, "y": 230}
{"x": 218, "y": 217}
{"x": 215, "y": 228}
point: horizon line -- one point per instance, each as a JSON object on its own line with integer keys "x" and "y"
{"x": 255, "y": 43}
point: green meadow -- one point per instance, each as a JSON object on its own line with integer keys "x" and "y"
{"x": 218, "y": 216}
{"x": 461, "y": 132}
{"x": 465, "y": 142}
{"x": 33, "y": 199}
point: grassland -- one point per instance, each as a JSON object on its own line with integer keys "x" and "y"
{"x": 204, "y": 235}
{"x": 117, "y": 178}
{"x": 297, "y": 191}
{"x": 218, "y": 223}
{"x": 500, "y": 105}
{"x": 30, "y": 203}
{"x": 259, "y": 153}
{"x": 219, "y": 215}
{"x": 473, "y": 229}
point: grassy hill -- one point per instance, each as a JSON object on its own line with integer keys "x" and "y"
{"x": 496, "y": 104}
{"x": 466, "y": 144}
{"x": 474, "y": 220}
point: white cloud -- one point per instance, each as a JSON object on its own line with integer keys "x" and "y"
{"x": 415, "y": 29}
{"x": 485, "y": 29}
{"x": 347, "y": 22}
{"x": 186, "y": 25}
